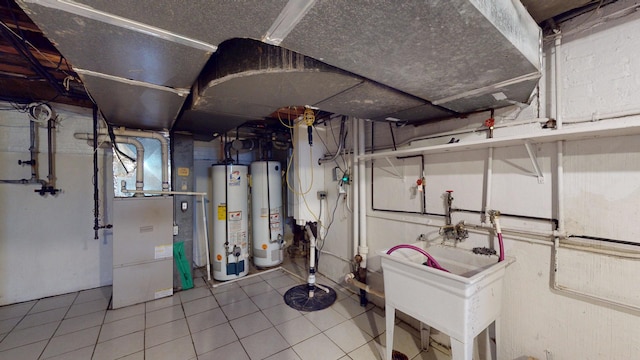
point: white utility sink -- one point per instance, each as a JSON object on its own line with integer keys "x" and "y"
{"x": 460, "y": 303}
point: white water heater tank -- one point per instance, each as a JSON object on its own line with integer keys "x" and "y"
{"x": 267, "y": 213}
{"x": 230, "y": 221}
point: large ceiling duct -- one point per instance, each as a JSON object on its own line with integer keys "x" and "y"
{"x": 155, "y": 64}
{"x": 248, "y": 80}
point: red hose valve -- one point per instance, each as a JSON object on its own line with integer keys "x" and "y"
{"x": 489, "y": 122}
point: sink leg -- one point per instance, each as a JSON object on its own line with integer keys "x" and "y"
{"x": 461, "y": 350}
{"x": 390, "y": 319}
{"x": 496, "y": 322}
{"x": 425, "y": 334}
{"x": 484, "y": 344}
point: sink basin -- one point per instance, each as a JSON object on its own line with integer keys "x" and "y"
{"x": 460, "y": 303}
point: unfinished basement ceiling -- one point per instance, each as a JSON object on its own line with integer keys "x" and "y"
{"x": 203, "y": 67}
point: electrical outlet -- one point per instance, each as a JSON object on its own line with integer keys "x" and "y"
{"x": 322, "y": 194}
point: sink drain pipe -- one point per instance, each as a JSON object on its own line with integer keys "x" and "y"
{"x": 350, "y": 279}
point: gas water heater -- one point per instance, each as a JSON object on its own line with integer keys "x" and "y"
{"x": 230, "y": 220}
{"x": 267, "y": 213}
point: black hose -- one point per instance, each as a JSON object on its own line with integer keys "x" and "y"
{"x": 96, "y": 197}
{"x": 50, "y": 127}
{"x": 32, "y": 149}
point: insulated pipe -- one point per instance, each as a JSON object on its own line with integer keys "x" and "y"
{"x": 126, "y": 140}
{"x": 363, "y": 249}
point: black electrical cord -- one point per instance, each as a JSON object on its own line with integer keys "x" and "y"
{"x": 117, "y": 150}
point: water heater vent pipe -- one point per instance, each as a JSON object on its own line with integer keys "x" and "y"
{"x": 164, "y": 148}
{"x": 125, "y": 140}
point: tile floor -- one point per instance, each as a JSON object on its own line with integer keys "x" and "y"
{"x": 242, "y": 320}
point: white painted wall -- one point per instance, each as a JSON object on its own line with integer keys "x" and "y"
{"x": 47, "y": 244}
{"x": 600, "y": 77}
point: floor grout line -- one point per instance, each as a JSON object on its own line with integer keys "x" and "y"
{"x": 245, "y": 290}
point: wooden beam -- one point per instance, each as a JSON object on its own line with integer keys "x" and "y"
{"x": 47, "y": 59}
{"x": 23, "y": 21}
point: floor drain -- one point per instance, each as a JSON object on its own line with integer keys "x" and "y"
{"x": 397, "y": 355}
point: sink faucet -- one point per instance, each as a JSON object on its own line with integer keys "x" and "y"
{"x": 456, "y": 232}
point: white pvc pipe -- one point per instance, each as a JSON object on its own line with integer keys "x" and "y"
{"x": 560, "y": 144}
{"x": 164, "y": 148}
{"x": 158, "y": 192}
{"x": 126, "y": 140}
{"x": 560, "y": 188}
{"x": 557, "y": 81}
{"x": 354, "y": 185}
{"x": 598, "y": 117}
{"x": 206, "y": 235}
{"x": 489, "y": 181}
{"x": 581, "y": 294}
{"x": 363, "y": 249}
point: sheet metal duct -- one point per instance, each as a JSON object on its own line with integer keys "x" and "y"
{"x": 248, "y": 80}
{"x": 411, "y": 61}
